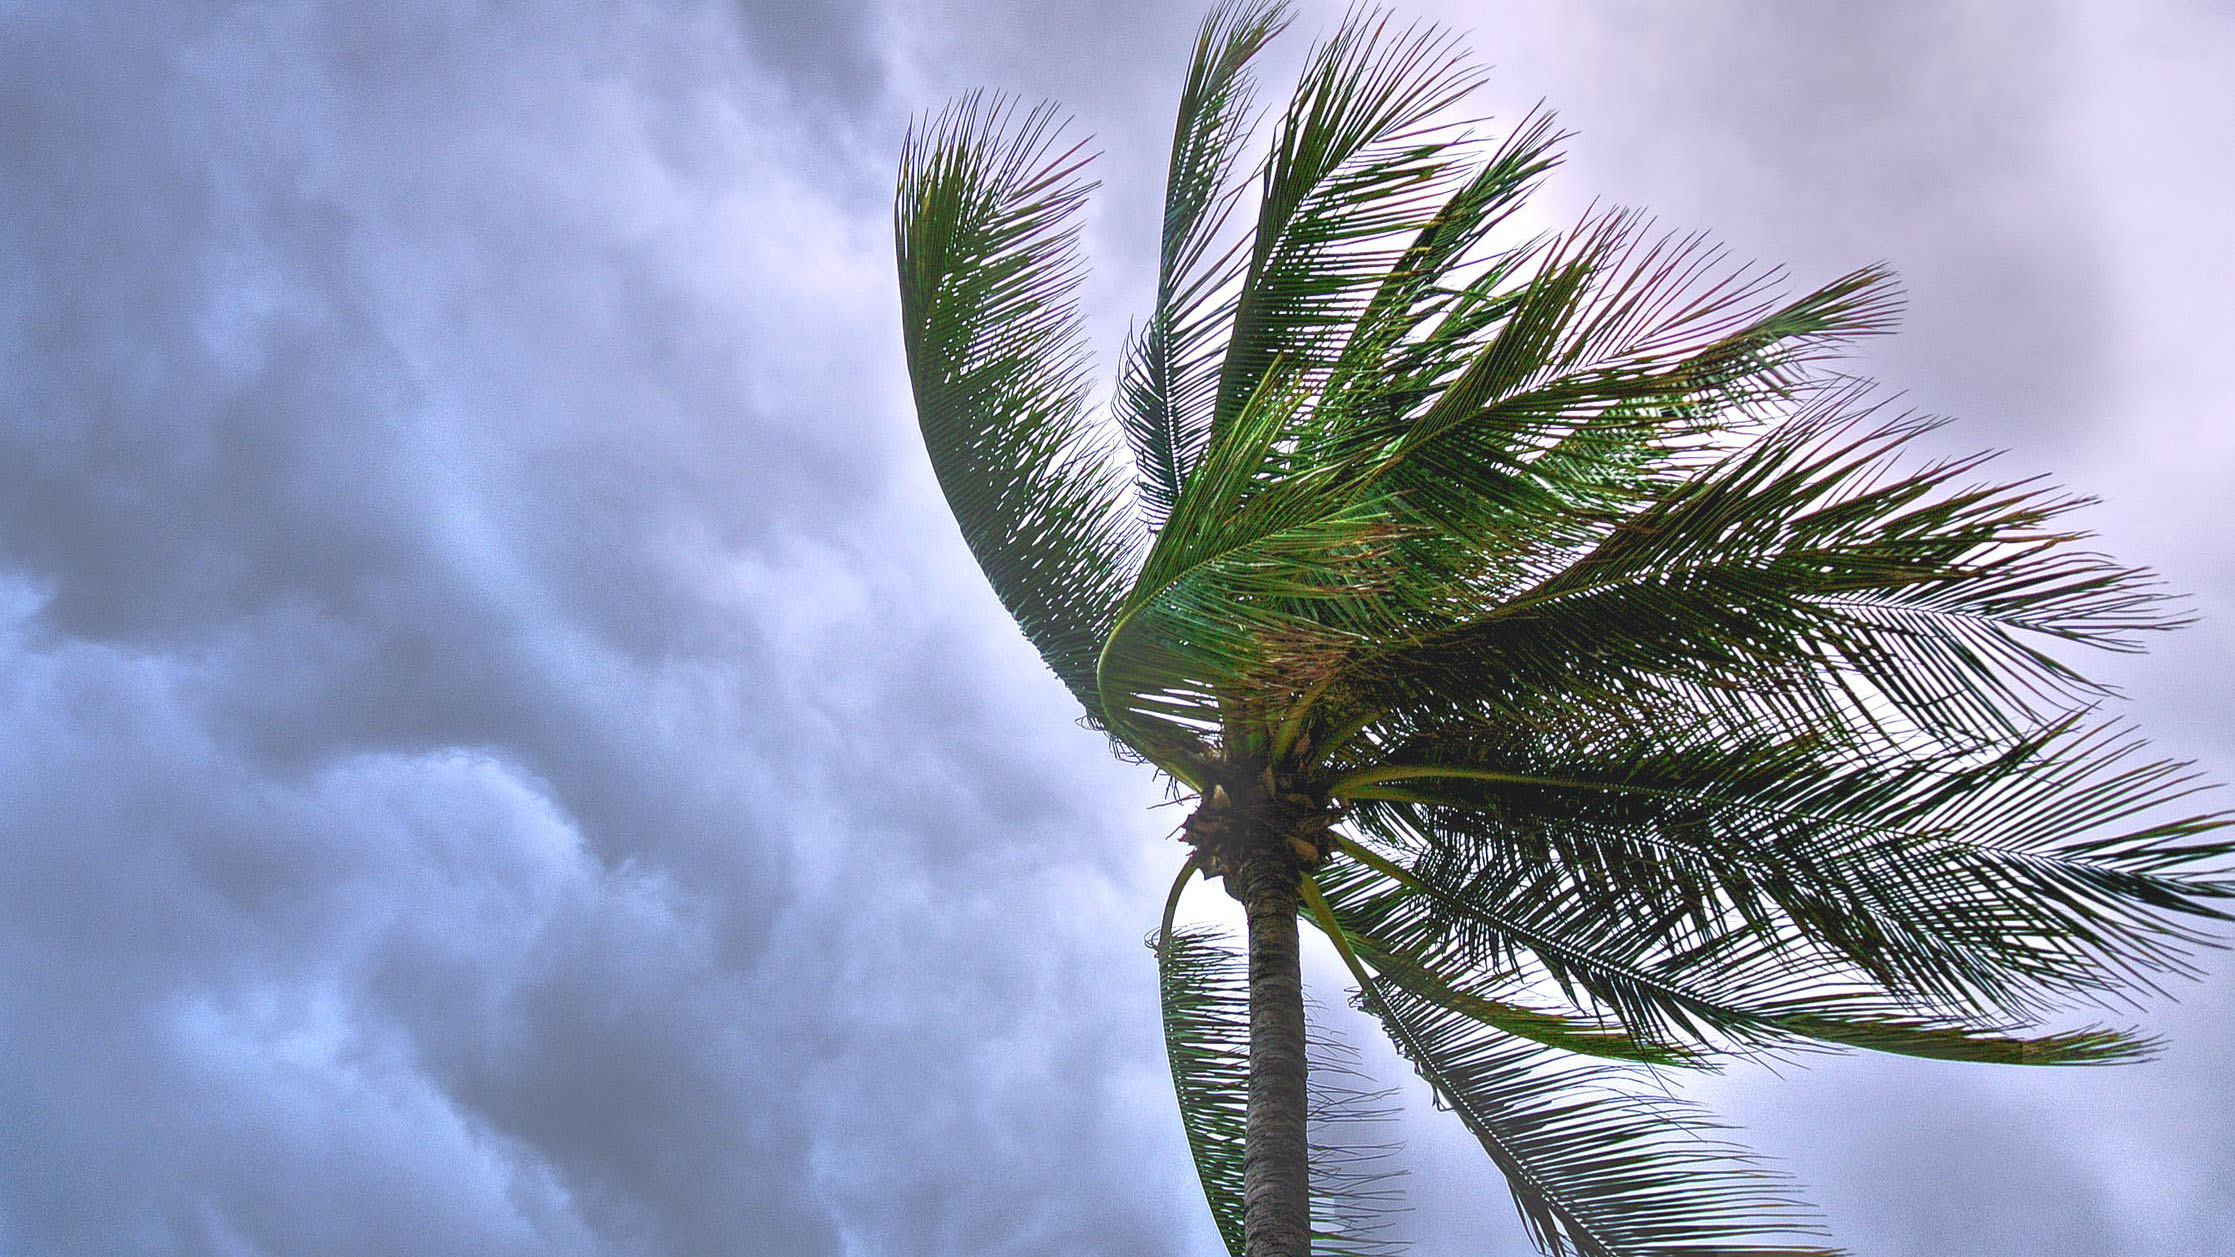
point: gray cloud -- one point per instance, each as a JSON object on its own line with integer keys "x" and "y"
{"x": 467, "y": 783}
{"x": 1934, "y": 137}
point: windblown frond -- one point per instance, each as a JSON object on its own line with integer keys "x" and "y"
{"x": 1243, "y": 583}
{"x": 987, "y": 240}
{"x": 1205, "y": 999}
{"x": 1421, "y": 971}
{"x": 1599, "y": 1164}
{"x": 1170, "y": 379}
{"x": 1793, "y": 578}
{"x": 1727, "y": 894}
{"x": 1359, "y": 169}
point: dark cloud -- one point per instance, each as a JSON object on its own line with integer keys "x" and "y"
{"x": 500, "y": 749}
{"x": 832, "y": 54}
{"x": 484, "y": 771}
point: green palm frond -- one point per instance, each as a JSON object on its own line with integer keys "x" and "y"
{"x": 1204, "y": 995}
{"x": 1613, "y": 319}
{"x": 1998, "y": 882}
{"x": 1169, "y": 383}
{"x": 985, "y": 224}
{"x": 1621, "y": 978}
{"x": 1425, "y": 310}
{"x": 1804, "y": 584}
{"x": 1247, "y": 578}
{"x": 1599, "y": 1165}
{"x": 1420, "y": 969}
{"x": 1205, "y": 1000}
{"x": 1358, "y": 171}
{"x": 1605, "y": 368}
{"x": 1744, "y": 985}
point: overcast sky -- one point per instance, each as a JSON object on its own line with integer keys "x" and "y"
{"x": 502, "y": 750}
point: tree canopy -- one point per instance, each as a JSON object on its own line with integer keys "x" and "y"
{"x": 1615, "y": 683}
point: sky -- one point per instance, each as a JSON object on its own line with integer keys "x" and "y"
{"x": 503, "y": 751}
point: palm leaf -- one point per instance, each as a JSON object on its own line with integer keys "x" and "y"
{"x": 1205, "y": 1000}
{"x": 1421, "y": 317}
{"x": 1738, "y": 987}
{"x": 1249, "y": 576}
{"x": 1803, "y": 584}
{"x": 1169, "y": 381}
{"x": 1414, "y": 971}
{"x": 985, "y": 224}
{"x": 1358, "y": 170}
{"x": 1598, "y": 1166}
{"x": 1997, "y": 882}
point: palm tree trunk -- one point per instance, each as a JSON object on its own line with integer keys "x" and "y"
{"x": 1276, "y": 1165}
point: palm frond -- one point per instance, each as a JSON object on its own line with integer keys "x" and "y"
{"x": 1421, "y": 321}
{"x": 1358, "y": 171}
{"x": 1247, "y": 577}
{"x": 1205, "y": 998}
{"x": 1882, "y": 932}
{"x": 1419, "y": 971}
{"x": 1599, "y": 1165}
{"x": 1805, "y": 582}
{"x": 1169, "y": 382}
{"x": 2002, "y": 882}
{"x": 1624, "y": 978}
{"x": 1611, "y": 324}
{"x": 985, "y": 226}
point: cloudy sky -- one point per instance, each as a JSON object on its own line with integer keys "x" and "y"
{"x": 501, "y": 750}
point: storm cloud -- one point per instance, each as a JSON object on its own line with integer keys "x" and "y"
{"x": 502, "y": 751}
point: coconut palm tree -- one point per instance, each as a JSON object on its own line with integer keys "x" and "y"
{"x": 1544, "y": 619}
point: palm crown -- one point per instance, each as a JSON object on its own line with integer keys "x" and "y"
{"x": 1545, "y": 621}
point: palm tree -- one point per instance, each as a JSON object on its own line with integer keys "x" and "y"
{"x": 1546, "y": 621}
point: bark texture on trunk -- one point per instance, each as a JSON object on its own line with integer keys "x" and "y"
{"x": 1276, "y": 1178}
